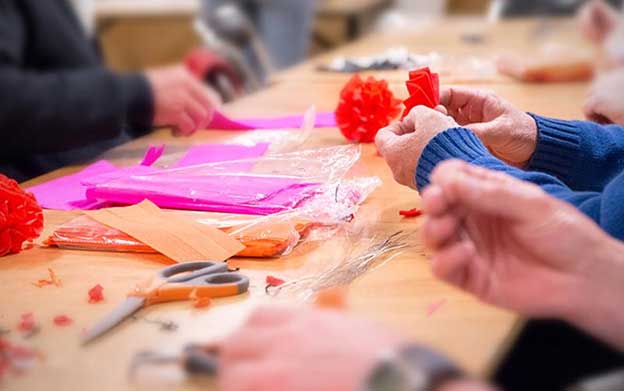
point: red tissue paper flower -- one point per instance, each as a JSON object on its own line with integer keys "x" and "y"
{"x": 424, "y": 89}
{"x": 21, "y": 217}
{"x": 365, "y": 106}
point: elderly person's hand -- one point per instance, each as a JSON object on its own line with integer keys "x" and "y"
{"x": 402, "y": 143}
{"x": 181, "y": 101}
{"x": 605, "y": 100}
{"x": 512, "y": 245}
{"x": 287, "y": 349}
{"x": 302, "y": 349}
{"x": 597, "y": 20}
{"x": 510, "y": 134}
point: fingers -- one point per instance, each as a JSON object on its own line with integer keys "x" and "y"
{"x": 386, "y": 137}
{"x": 452, "y": 263}
{"x": 461, "y": 102}
{"x": 441, "y": 230}
{"x": 248, "y": 344}
{"x": 433, "y": 201}
{"x": 254, "y": 376}
{"x": 271, "y": 316}
{"x": 495, "y": 193}
{"x": 199, "y": 113}
{"x": 184, "y": 125}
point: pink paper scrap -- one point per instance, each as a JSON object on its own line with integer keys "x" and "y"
{"x": 69, "y": 192}
{"x": 221, "y": 121}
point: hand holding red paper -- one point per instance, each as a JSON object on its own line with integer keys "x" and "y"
{"x": 402, "y": 143}
{"x": 424, "y": 89}
{"x": 21, "y": 218}
{"x": 510, "y": 133}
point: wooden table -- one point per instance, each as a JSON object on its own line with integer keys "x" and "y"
{"x": 397, "y": 294}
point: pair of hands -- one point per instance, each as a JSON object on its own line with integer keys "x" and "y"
{"x": 501, "y": 239}
{"x": 509, "y": 133}
{"x": 181, "y": 101}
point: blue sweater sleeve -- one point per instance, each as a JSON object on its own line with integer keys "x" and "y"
{"x": 584, "y": 155}
{"x": 605, "y": 207}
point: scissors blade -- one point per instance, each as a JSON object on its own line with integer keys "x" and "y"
{"x": 124, "y": 310}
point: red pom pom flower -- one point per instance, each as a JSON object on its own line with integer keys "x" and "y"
{"x": 365, "y": 106}
{"x": 424, "y": 89}
{"x": 21, "y": 218}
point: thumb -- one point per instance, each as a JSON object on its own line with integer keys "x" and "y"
{"x": 475, "y": 189}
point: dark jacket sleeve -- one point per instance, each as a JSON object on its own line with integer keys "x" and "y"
{"x": 50, "y": 111}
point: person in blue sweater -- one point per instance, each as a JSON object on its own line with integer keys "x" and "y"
{"x": 579, "y": 162}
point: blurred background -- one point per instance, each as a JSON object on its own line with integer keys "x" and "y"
{"x": 242, "y": 42}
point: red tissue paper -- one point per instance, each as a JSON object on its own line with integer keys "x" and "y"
{"x": 424, "y": 89}
{"x": 365, "y": 106}
{"x": 62, "y": 320}
{"x": 96, "y": 294}
{"x": 21, "y": 218}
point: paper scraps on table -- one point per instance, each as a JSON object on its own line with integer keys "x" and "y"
{"x": 272, "y": 281}
{"x": 52, "y": 280}
{"x": 96, "y": 294}
{"x": 152, "y": 154}
{"x": 433, "y": 307}
{"x": 424, "y": 89}
{"x": 27, "y": 322}
{"x": 177, "y": 237}
{"x": 15, "y": 358}
{"x": 222, "y": 122}
{"x": 199, "y": 301}
{"x": 68, "y": 192}
{"x": 62, "y": 320}
{"x": 411, "y": 213}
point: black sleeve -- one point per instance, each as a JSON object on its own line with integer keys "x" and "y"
{"x": 55, "y": 111}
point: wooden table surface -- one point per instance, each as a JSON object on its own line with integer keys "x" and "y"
{"x": 397, "y": 294}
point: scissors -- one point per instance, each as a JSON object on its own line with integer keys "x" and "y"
{"x": 177, "y": 282}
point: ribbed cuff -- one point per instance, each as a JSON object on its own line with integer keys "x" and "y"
{"x": 139, "y": 104}
{"x": 454, "y": 143}
{"x": 558, "y": 146}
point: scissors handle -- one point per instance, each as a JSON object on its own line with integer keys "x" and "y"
{"x": 197, "y": 269}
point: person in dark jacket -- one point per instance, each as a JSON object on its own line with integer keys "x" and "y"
{"x": 59, "y": 104}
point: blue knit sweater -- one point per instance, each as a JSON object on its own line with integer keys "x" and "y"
{"x": 576, "y": 161}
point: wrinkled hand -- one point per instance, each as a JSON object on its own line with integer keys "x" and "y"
{"x": 181, "y": 100}
{"x": 511, "y": 244}
{"x": 509, "y": 133}
{"x": 605, "y": 100}
{"x": 402, "y": 143}
{"x": 284, "y": 349}
{"x": 597, "y": 20}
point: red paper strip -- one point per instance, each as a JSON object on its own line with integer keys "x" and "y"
{"x": 63, "y": 320}
{"x": 274, "y": 281}
{"x": 411, "y": 212}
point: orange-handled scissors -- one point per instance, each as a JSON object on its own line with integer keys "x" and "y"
{"x": 177, "y": 282}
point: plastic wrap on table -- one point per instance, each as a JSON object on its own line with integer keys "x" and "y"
{"x": 261, "y": 239}
{"x": 258, "y": 186}
{"x": 263, "y": 236}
